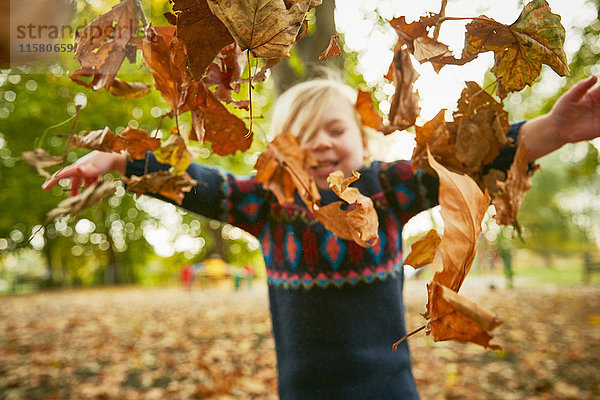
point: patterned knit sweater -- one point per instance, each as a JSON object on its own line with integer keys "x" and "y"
{"x": 336, "y": 307}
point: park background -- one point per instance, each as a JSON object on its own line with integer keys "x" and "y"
{"x": 93, "y": 305}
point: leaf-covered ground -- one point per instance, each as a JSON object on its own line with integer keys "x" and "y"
{"x": 134, "y": 343}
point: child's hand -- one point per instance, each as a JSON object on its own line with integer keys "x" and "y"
{"x": 576, "y": 114}
{"x": 575, "y": 117}
{"x": 88, "y": 169}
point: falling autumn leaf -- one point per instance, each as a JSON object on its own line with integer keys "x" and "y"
{"x": 225, "y": 72}
{"x": 174, "y": 152}
{"x": 164, "y": 183}
{"x": 265, "y": 27}
{"x": 535, "y": 38}
{"x": 339, "y": 183}
{"x": 129, "y": 90}
{"x": 282, "y": 168}
{"x": 202, "y": 32}
{"x": 333, "y": 49}
{"x": 224, "y": 130}
{"x": 436, "y": 135}
{"x": 368, "y": 115}
{"x": 100, "y": 47}
{"x": 513, "y": 190}
{"x": 92, "y": 195}
{"x": 135, "y": 141}
{"x": 463, "y": 206}
{"x": 165, "y": 55}
{"x": 40, "y": 159}
{"x": 415, "y": 38}
{"x": 454, "y": 317}
{"x": 404, "y": 108}
{"x": 422, "y": 252}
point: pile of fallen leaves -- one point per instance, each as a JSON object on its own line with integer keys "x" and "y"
{"x": 133, "y": 343}
{"x": 199, "y": 60}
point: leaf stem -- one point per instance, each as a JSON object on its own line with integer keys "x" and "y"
{"x": 249, "y": 91}
{"x": 442, "y": 13}
{"x": 40, "y": 141}
{"x": 395, "y": 345}
{"x": 141, "y": 13}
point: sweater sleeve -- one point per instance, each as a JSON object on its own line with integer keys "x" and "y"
{"x": 409, "y": 193}
{"x": 241, "y": 202}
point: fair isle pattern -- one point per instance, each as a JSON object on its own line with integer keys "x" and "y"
{"x": 307, "y": 281}
{"x": 298, "y": 251}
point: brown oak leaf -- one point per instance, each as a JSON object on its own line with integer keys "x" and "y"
{"x": 265, "y": 27}
{"x": 165, "y": 183}
{"x": 454, "y": 317}
{"x": 202, "y": 32}
{"x": 136, "y": 141}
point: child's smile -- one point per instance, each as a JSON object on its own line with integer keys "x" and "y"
{"x": 337, "y": 142}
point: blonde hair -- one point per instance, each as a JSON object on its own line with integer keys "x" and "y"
{"x": 299, "y": 110}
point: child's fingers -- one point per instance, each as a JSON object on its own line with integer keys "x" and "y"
{"x": 580, "y": 89}
{"x": 75, "y": 185}
{"x": 64, "y": 173}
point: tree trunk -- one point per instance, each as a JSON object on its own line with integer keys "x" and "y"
{"x": 308, "y": 50}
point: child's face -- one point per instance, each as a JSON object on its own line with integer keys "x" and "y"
{"x": 337, "y": 144}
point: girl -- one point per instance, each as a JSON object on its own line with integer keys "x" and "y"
{"x": 337, "y": 307}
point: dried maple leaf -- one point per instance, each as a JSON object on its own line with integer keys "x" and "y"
{"x": 415, "y": 37}
{"x": 422, "y": 252}
{"x": 202, "y": 32}
{"x": 360, "y": 222}
{"x": 368, "y": 115}
{"x": 437, "y": 136}
{"x": 40, "y": 159}
{"x": 100, "y": 47}
{"x": 339, "y": 183}
{"x": 454, "y": 317}
{"x": 91, "y": 196}
{"x": 282, "y": 168}
{"x": 513, "y": 190}
{"x": 333, "y": 49}
{"x": 265, "y": 27}
{"x": 226, "y": 73}
{"x": 100, "y": 139}
{"x": 129, "y": 90}
{"x": 463, "y": 206}
{"x": 224, "y": 130}
{"x": 136, "y": 141}
{"x": 164, "y": 183}
{"x": 535, "y": 38}
{"x": 404, "y": 108}
{"x": 175, "y": 152}
{"x": 165, "y": 55}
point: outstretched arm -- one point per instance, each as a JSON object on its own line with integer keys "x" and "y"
{"x": 574, "y": 117}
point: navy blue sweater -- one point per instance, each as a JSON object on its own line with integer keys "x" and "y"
{"x": 336, "y": 307}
